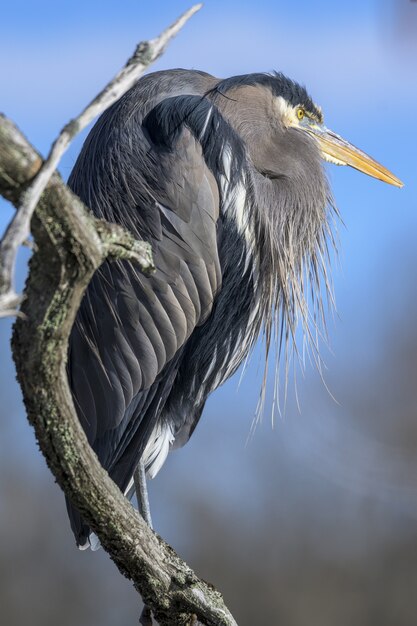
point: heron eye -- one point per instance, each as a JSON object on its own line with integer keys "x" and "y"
{"x": 300, "y": 114}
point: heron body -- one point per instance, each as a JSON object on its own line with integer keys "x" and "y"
{"x": 225, "y": 179}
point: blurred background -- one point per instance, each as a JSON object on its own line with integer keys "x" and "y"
{"x": 312, "y": 521}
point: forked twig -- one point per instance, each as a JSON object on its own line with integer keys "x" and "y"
{"x": 19, "y": 228}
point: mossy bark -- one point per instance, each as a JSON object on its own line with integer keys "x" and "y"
{"x": 70, "y": 245}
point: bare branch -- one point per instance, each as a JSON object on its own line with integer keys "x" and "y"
{"x": 70, "y": 244}
{"x": 18, "y": 230}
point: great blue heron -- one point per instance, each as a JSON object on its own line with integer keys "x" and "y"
{"x": 225, "y": 179}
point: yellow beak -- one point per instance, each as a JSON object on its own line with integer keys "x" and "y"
{"x": 337, "y": 150}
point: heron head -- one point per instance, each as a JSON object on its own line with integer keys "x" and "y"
{"x": 305, "y": 116}
{"x": 266, "y": 109}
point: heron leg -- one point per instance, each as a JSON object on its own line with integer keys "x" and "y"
{"x": 146, "y": 617}
{"x": 141, "y": 489}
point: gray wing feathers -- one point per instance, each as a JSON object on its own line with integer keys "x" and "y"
{"x": 131, "y": 326}
{"x": 131, "y": 331}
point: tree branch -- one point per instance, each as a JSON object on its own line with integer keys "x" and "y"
{"x": 70, "y": 244}
{"x": 18, "y": 230}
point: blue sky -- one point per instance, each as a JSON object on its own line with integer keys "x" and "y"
{"x": 55, "y": 57}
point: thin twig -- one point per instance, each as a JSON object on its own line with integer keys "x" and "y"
{"x": 9, "y": 303}
{"x": 18, "y": 230}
